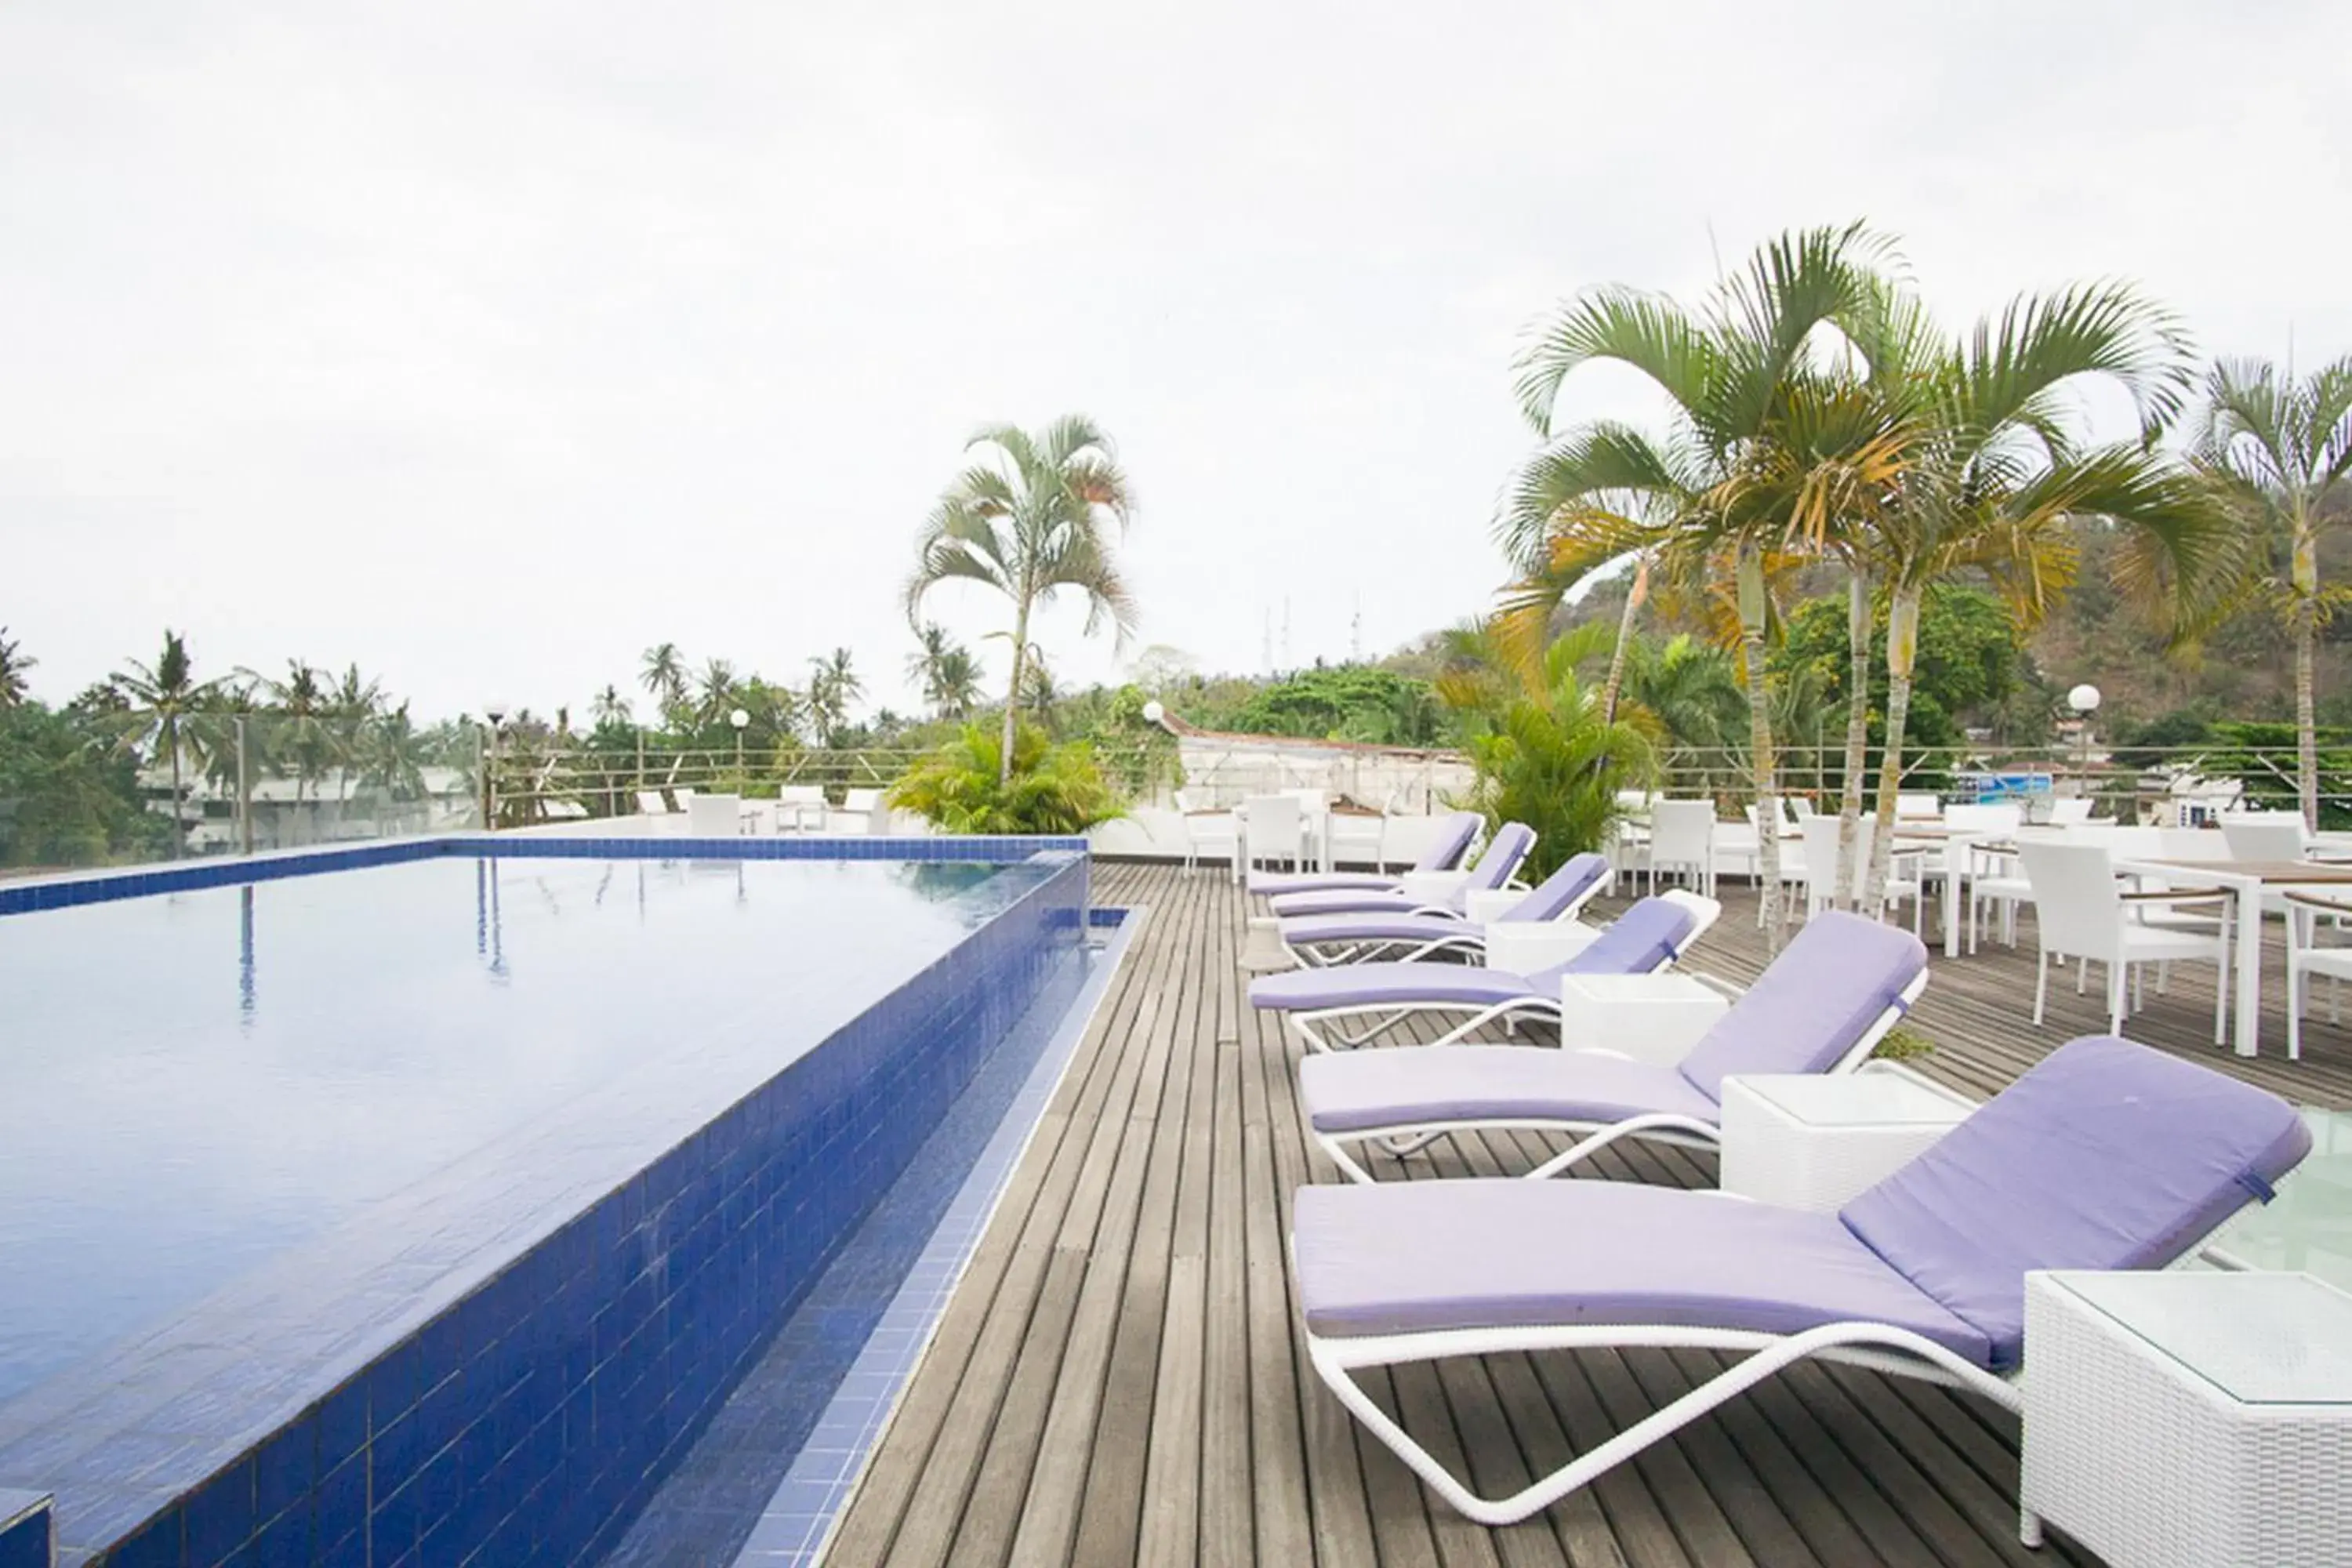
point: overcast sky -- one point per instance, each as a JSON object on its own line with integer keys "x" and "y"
{"x": 488, "y": 342}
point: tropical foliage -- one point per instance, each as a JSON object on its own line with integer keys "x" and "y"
{"x": 1343, "y": 702}
{"x": 2278, "y": 454}
{"x": 1546, "y": 751}
{"x": 969, "y": 786}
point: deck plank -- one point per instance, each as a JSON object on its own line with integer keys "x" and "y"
{"x": 1121, "y": 1376}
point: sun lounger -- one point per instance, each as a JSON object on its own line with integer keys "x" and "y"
{"x": 1650, "y": 935}
{"x": 1354, "y": 938}
{"x": 1452, "y": 846}
{"x": 1821, "y": 1007}
{"x": 1495, "y": 866}
{"x": 2107, "y": 1156}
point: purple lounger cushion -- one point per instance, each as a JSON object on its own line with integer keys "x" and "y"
{"x": 1497, "y": 864}
{"x": 2105, "y": 1155}
{"x": 1811, "y": 1004}
{"x": 1366, "y": 1092}
{"x": 1455, "y": 836}
{"x": 1430, "y": 1255}
{"x": 1641, "y": 940}
{"x": 1804, "y": 1014}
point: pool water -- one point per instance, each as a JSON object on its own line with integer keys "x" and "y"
{"x": 201, "y": 1080}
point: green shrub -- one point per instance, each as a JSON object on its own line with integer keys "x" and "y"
{"x": 1053, "y": 789}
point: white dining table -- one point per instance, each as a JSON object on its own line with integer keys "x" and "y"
{"x": 2245, "y": 882}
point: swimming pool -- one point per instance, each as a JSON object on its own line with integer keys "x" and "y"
{"x": 438, "y": 1200}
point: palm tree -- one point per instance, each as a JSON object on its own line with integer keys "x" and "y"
{"x": 610, "y": 708}
{"x": 1743, "y": 478}
{"x": 2279, "y": 454}
{"x": 832, "y": 686}
{"x": 302, "y": 731}
{"x": 1029, "y": 519}
{"x": 13, "y": 666}
{"x": 662, "y": 675}
{"x": 719, "y": 687}
{"x": 390, "y": 754}
{"x": 1690, "y": 691}
{"x": 954, "y": 690}
{"x": 1991, "y": 479}
{"x": 162, "y": 700}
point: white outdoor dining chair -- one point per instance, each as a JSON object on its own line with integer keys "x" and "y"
{"x": 1207, "y": 831}
{"x": 1271, "y": 830}
{"x": 651, "y": 804}
{"x": 1355, "y": 837}
{"x": 2305, "y": 958}
{"x": 1682, "y": 840}
{"x": 1822, "y": 867}
{"x": 2082, "y": 912}
{"x": 1987, "y": 878}
{"x": 2070, "y": 811}
{"x": 1917, "y": 807}
{"x": 2265, "y": 836}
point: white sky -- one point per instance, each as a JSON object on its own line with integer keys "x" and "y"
{"x": 488, "y": 342}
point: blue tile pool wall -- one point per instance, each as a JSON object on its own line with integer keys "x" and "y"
{"x": 87, "y": 887}
{"x": 528, "y": 1422}
{"x": 25, "y": 1530}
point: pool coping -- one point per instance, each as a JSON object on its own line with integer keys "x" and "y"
{"x": 64, "y": 889}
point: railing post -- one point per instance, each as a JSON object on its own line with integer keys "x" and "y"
{"x": 244, "y": 792}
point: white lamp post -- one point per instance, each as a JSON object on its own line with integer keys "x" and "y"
{"x": 496, "y": 712}
{"x": 1152, "y": 712}
{"x": 740, "y": 719}
{"x": 2085, "y": 701}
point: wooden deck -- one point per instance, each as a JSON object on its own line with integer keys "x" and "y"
{"x": 1118, "y": 1379}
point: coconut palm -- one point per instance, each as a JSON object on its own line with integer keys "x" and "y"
{"x": 2279, "y": 455}
{"x": 1744, "y": 475}
{"x": 161, "y": 700}
{"x": 832, "y": 686}
{"x": 1032, "y": 517}
{"x": 390, "y": 756}
{"x": 955, "y": 688}
{"x": 662, "y": 673}
{"x": 609, "y": 708}
{"x": 1994, "y": 477}
{"x": 13, "y": 666}
{"x": 716, "y": 689}
{"x": 301, "y": 728}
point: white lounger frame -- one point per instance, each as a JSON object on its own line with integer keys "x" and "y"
{"x": 1664, "y": 1127}
{"x": 1471, "y": 939}
{"x": 1704, "y": 911}
{"x": 1880, "y": 1347}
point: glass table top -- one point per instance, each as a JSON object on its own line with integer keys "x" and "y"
{"x": 2262, "y": 1339}
{"x": 1874, "y": 1099}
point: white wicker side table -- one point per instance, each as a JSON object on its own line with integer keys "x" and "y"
{"x": 1809, "y": 1141}
{"x": 2190, "y": 1419}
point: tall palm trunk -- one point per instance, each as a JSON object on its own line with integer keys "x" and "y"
{"x": 1013, "y": 697}
{"x": 1638, "y": 591}
{"x": 2306, "y": 723}
{"x": 1902, "y": 650}
{"x": 179, "y": 825}
{"x": 1750, "y": 574}
{"x": 1857, "y": 737}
